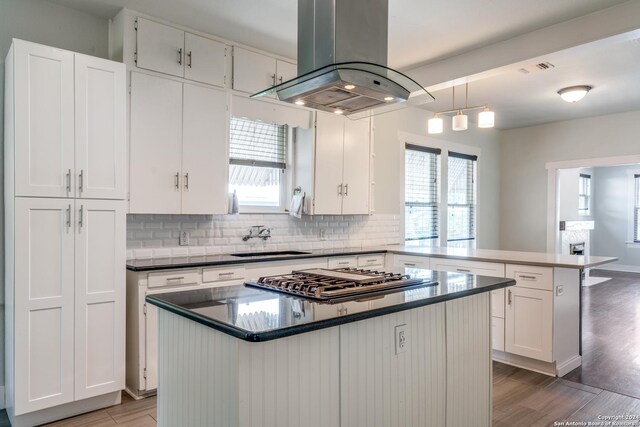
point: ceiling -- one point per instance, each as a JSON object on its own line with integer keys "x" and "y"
{"x": 423, "y": 32}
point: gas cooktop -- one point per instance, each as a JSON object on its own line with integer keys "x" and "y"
{"x": 340, "y": 284}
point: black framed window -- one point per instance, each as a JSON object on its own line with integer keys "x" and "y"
{"x": 462, "y": 200}
{"x": 584, "y": 194}
{"x": 421, "y": 195}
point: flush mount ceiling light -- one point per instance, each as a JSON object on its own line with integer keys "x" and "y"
{"x": 574, "y": 93}
{"x": 486, "y": 118}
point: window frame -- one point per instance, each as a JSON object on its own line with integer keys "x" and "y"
{"x": 285, "y": 183}
{"x": 427, "y": 240}
{"x": 587, "y": 195}
{"x": 473, "y": 206}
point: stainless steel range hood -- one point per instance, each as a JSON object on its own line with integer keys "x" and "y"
{"x": 342, "y": 58}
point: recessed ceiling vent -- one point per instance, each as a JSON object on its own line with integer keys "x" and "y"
{"x": 541, "y": 66}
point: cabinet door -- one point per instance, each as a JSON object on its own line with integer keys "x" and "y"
{"x": 355, "y": 176}
{"x": 151, "y": 347}
{"x": 44, "y": 299}
{"x": 100, "y": 128}
{"x": 99, "y": 297}
{"x": 43, "y": 121}
{"x": 286, "y": 71}
{"x": 205, "y": 60}
{"x": 252, "y": 72}
{"x": 328, "y": 174}
{"x": 160, "y": 48}
{"x": 155, "y": 145}
{"x": 528, "y": 323}
{"x": 204, "y": 151}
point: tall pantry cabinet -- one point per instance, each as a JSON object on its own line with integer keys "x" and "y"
{"x": 65, "y": 154}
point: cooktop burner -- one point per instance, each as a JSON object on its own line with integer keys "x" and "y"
{"x": 338, "y": 284}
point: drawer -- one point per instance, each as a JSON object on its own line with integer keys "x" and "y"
{"x": 222, "y": 274}
{"x": 410, "y": 261}
{"x": 497, "y": 303}
{"x": 342, "y": 262}
{"x": 374, "y": 260}
{"x": 497, "y": 333}
{"x": 530, "y": 276}
{"x": 173, "y": 278}
{"x": 469, "y": 267}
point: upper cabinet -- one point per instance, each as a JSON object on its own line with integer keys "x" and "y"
{"x": 337, "y": 180}
{"x": 178, "y": 148}
{"x": 79, "y": 151}
{"x": 253, "y": 71}
{"x": 168, "y": 50}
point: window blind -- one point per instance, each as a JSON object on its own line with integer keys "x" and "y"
{"x": 584, "y": 193}
{"x": 636, "y": 210}
{"x": 461, "y": 221}
{"x": 421, "y": 193}
{"x": 254, "y": 143}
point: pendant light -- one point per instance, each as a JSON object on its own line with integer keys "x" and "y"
{"x": 435, "y": 125}
{"x": 486, "y": 118}
{"x": 460, "y": 121}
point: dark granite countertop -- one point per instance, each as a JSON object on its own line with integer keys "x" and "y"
{"x": 226, "y": 259}
{"x": 255, "y": 315}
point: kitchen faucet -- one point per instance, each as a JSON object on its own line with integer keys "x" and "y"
{"x": 259, "y": 231}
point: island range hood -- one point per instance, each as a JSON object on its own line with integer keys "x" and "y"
{"x": 342, "y": 61}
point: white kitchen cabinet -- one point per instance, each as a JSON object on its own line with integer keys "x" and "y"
{"x": 178, "y": 152}
{"x": 373, "y": 261}
{"x": 285, "y": 71}
{"x": 253, "y": 71}
{"x": 100, "y": 128}
{"x": 342, "y": 262}
{"x": 44, "y": 303}
{"x": 529, "y": 323}
{"x": 100, "y": 247}
{"x": 497, "y": 303}
{"x": 155, "y": 145}
{"x": 65, "y": 249}
{"x": 160, "y": 48}
{"x": 339, "y": 181}
{"x": 468, "y": 267}
{"x": 204, "y": 150}
{"x": 497, "y": 333}
{"x": 205, "y": 60}
{"x": 410, "y": 261}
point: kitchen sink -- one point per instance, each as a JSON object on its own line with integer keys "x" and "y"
{"x": 272, "y": 253}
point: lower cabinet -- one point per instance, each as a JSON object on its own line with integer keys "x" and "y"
{"x": 497, "y": 333}
{"x": 66, "y": 301}
{"x": 529, "y": 323}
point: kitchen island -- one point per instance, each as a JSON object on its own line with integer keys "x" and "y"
{"x": 240, "y": 356}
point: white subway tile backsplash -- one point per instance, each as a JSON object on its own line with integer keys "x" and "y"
{"x": 157, "y": 235}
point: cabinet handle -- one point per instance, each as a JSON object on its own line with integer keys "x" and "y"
{"x": 80, "y": 219}
{"x": 180, "y": 56}
{"x": 409, "y": 264}
{"x": 68, "y": 181}
{"x": 527, "y": 277}
{"x": 346, "y": 189}
{"x": 273, "y": 77}
{"x": 69, "y": 216}
{"x": 81, "y": 180}
{"x": 509, "y": 296}
{"x": 186, "y": 181}
{"x": 225, "y": 274}
{"x": 343, "y": 263}
{"x": 174, "y": 278}
{"x": 177, "y": 177}
{"x": 280, "y": 79}
{"x": 463, "y": 270}
{"x": 340, "y": 190}
{"x": 189, "y": 59}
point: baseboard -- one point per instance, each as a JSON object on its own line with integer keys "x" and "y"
{"x": 568, "y": 366}
{"x": 545, "y": 368}
{"x": 140, "y": 396}
{"x": 619, "y": 267}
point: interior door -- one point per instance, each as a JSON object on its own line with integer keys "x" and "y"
{"x": 160, "y": 48}
{"x": 100, "y": 255}
{"x": 204, "y": 151}
{"x": 328, "y": 170}
{"x": 100, "y": 123}
{"x": 155, "y": 145}
{"x": 44, "y": 299}
{"x": 529, "y": 323}
{"x": 356, "y": 178}
{"x": 44, "y": 113}
{"x": 205, "y": 60}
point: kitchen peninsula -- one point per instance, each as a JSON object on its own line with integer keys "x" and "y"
{"x": 240, "y": 356}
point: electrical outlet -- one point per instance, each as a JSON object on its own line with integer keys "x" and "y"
{"x": 323, "y": 234}
{"x": 559, "y": 290}
{"x": 402, "y": 338}
{"x": 184, "y": 238}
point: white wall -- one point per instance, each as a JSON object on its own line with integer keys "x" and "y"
{"x": 612, "y": 204}
{"x": 47, "y": 23}
{"x": 388, "y": 173}
{"x": 523, "y": 179}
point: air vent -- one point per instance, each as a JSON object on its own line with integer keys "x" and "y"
{"x": 541, "y": 66}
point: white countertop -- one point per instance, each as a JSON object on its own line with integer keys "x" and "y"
{"x": 513, "y": 257}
